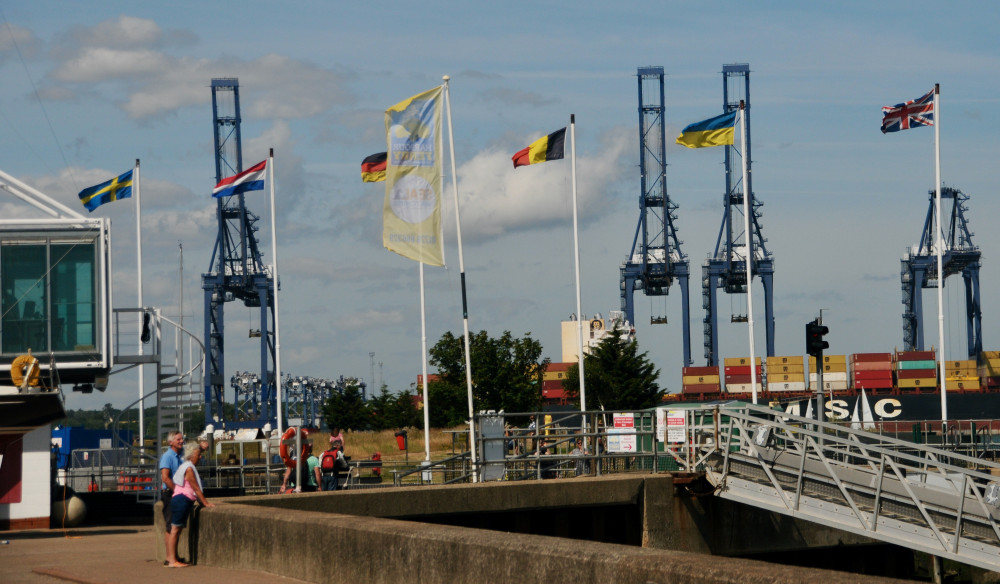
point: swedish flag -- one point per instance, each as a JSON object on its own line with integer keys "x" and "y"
{"x": 119, "y": 187}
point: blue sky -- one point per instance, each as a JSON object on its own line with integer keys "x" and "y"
{"x": 842, "y": 202}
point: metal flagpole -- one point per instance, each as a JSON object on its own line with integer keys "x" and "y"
{"x": 576, "y": 254}
{"x": 142, "y": 312}
{"x": 423, "y": 358}
{"x": 274, "y": 275}
{"x": 748, "y": 238}
{"x": 461, "y": 269}
{"x": 939, "y": 246}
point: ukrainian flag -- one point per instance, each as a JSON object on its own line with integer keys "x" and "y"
{"x": 119, "y": 187}
{"x": 717, "y": 131}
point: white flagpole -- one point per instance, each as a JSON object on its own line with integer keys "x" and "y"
{"x": 748, "y": 238}
{"x": 576, "y": 254}
{"x": 274, "y": 260}
{"x": 423, "y": 358}
{"x": 461, "y": 269}
{"x": 939, "y": 246}
{"x": 142, "y": 313}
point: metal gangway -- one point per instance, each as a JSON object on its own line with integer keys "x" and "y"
{"x": 924, "y": 498}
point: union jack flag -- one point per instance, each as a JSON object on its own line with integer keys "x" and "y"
{"x": 911, "y": 114}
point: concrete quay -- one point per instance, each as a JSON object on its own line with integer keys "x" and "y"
{"x": 430, "y": 534}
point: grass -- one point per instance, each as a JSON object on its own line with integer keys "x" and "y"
{"x": 361, "y": 445}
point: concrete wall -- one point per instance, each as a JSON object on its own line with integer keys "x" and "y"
{"x": 358, "y": 536}
{"x": 376, "y": 550}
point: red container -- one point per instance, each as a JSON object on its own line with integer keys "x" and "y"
{"x": 871, "y": 357}
{"x": 872, "y": 365}
{"x": 916, "y": 374}
{"x": 740, "y": 379}
{"x": 741, "y": 370}
{"x": 915, "y": 356}
{"x": 873, "y": 384}
{"x": 872, "y": 376}
{"x": 699, "y": 371}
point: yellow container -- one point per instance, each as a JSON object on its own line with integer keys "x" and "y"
{"x": 962, "y": 384}
{"x": 989, "y": 355}
{"x": 830, "y": 359}
{"x": 790, "y": 360}
{"x": 967, "y": 364}
{"x": 699, "y": 379}
{"x": 785, "y": 377}
{"x": 739, "y": 361}
{"x": 794, "y": 368}
{"x": 917, "y": 382}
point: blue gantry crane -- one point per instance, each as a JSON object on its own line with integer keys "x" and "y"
{"x": 726, "y": 269}
{"x": 656, "y": 260}
{"x": 958, "y": 256}
{"x": 236, "y": 273}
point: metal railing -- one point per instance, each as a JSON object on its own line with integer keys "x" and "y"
{"x": 934, "y": 500}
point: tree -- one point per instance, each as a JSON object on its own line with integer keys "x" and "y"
{"x": 618, "y": 377}
{"x": 345, "y": 409}
{"x": 506, "y": 372}
{"x": 388, "y": 411}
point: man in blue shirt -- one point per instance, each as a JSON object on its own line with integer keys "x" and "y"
{"x": 169, "y": 463}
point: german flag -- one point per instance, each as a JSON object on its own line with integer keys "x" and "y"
{"x": 544, "y": 149}
{"x": 373, "y": 168}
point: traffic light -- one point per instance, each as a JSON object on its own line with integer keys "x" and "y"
{"x": 814, "y": 338}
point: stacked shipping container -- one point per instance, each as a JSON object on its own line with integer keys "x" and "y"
{"x": 738, "y": 372}
{"x": 785, "y": 374}
{"x": 961, "y": 376}
{"x": 834, "y": 373}
{"x": 700, "y": 381}
{"x": 872, "y": 371}
{"x": 916, "y": 371}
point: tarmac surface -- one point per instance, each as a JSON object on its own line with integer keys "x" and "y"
{"x": 104, "y": 555}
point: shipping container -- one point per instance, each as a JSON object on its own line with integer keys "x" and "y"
{"x": 799, "y": 386}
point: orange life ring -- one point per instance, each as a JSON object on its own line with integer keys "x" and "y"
{"x": 283, "y": 448}
{"x": 24, "y": 366}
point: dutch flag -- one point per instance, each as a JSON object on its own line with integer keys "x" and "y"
{"x": 251, "y": 179}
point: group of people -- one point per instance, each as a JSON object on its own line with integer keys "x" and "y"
{"x": 320, "y": 473}
{"x": 181, "y": 484}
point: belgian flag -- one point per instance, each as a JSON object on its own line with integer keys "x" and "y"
{"x": 373, "y": 168}
{"x": 544, "y": 149}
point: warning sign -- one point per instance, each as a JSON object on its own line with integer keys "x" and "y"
{"x": 621, "y": 438}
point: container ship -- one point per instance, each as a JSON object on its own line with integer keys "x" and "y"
{"x": 887, "y": 389}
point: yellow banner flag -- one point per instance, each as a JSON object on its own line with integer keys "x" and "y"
{"x": 411, "y": 215}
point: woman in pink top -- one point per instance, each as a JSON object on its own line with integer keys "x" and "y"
{"x": 187, "y": 490}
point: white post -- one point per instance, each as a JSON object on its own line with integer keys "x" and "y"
{"x": 461, "y": 269}
{"x": 423, "y": 358}
{"x": 939, "y": 246}
{"x": 748, "y": 238}
{"x": 142, "y": 313}
{"x": 576, "y": 258}
{"x": 274, "y": 260}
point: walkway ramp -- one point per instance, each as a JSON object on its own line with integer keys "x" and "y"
{"x": 907, "y": 494}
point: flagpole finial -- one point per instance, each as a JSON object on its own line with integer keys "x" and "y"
{"x": 572, "y": 118}
{"x": 446, "y": 78}
{"x": 270, "y": 153}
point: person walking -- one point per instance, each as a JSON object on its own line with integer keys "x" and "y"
{"x": 187, "y": 490}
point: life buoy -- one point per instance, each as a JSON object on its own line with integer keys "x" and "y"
{"x": 283, "y": 448}
{"x": 24, "y": 367}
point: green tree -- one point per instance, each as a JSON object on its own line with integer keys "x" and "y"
{"x": 346, "y": 408}
{"x": 618, "y": 377}
{"x": 506, "y": 372}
